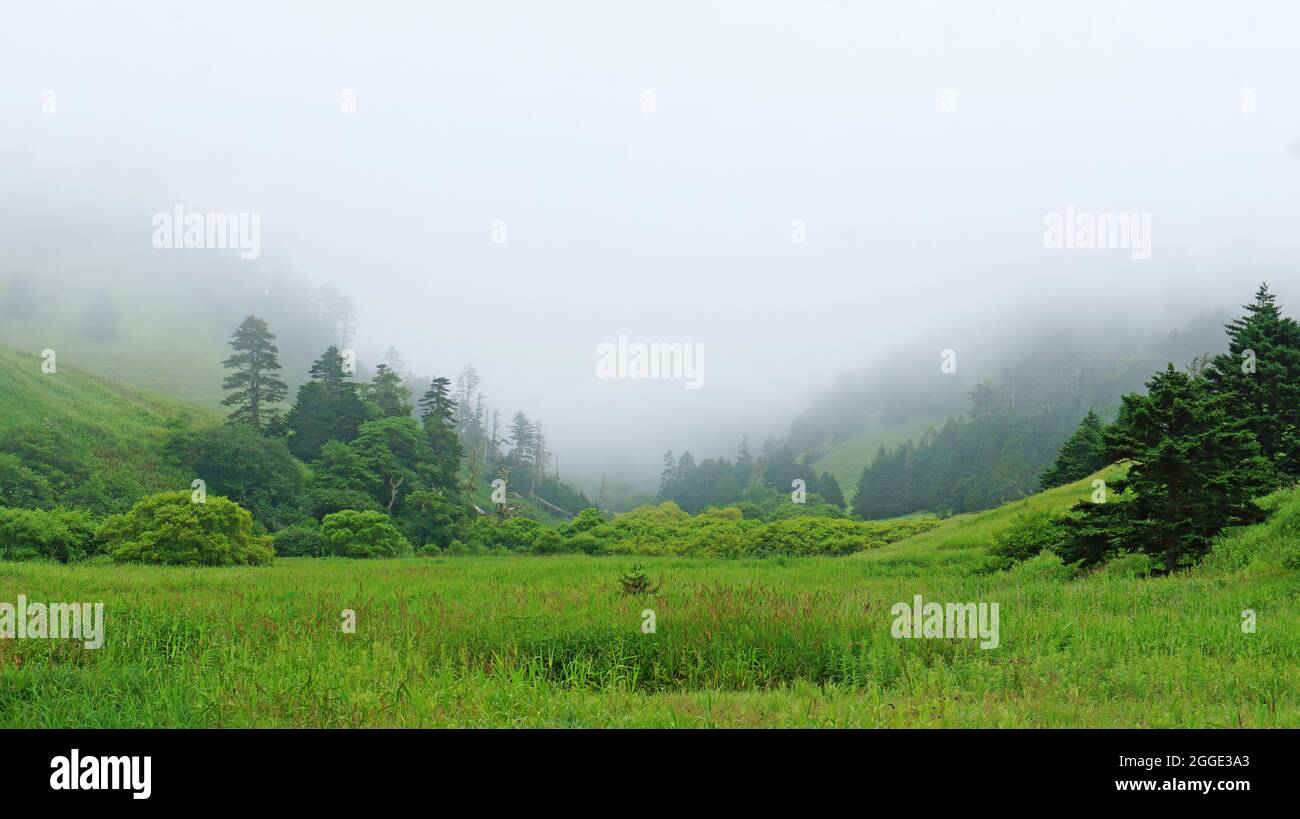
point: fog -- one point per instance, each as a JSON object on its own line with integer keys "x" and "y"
{"x": 798, "y": 187}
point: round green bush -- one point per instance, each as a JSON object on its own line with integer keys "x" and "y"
{"x": 172, "y": 529}
{"x": 1029, "y": 533}
{"x": 353, "y": 533}
{"x": 300, "y": 540}
{"x": 56, "y": 534}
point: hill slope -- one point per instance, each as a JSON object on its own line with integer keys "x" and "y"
{"x": 120, "y": 430}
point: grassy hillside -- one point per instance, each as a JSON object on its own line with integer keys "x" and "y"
{"x": 525, "y": 641}
{"x": 846, "y": 459}
{"x": 120, "y": 428}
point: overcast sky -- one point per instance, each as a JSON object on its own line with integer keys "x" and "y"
{"x": 649, "y": 163}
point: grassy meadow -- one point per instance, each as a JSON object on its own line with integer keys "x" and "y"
{"x": 555, "y": 641}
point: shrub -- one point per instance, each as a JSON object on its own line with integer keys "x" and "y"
{"x": 57, "y": 534}
{"x": 300, "y": 540}
{"x": 431, "y": 518}
{"x": 1290, "y": 557}
{"x": 322, "y": 501}
{"x": 460, "y": 548}
{"x": 1129, "y": 564}
{"x": 171, "y": 529}
{"x": 584, "y": 521}
{"x": 516, "y": 534}
{"x": 353, "y": 533}
{"x": 1044, "y": 566}
{"x": 584, "y": 542}
{"x": 1030, "y": 533}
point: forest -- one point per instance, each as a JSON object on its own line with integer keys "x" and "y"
{"x": 369, "y": 467}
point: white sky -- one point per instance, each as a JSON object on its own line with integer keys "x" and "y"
{"x": 676, "y": 225}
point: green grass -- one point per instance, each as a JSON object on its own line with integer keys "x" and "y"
{"x": 846, "y": 459}
{"x": 153, "y": 351}
{"x": 122, "y": 429}
{"x": 525, "y": 641}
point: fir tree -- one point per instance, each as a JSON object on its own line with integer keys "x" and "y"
{"x": 829, "y": 489}
{"x": 1080, "y": 456}
{"x": 1260, "y": 377}
{"x": 1195, "y": 469}
{"x": 327, "y": 408}
{"x": 438, "y": 413}
{"x": 256, "y": 388}
{"x": 387, "y": 392}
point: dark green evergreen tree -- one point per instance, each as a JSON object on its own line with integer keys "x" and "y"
{"x": 869, "y": 499}
{"x": 1195, "y": 468}
{"x": 327, "y": 408}
{"x": 255, "y": 387}
{"x": 1260, "y": 377}
{"x": 438, "y": 414}
{"x": 388, "y": 394}
{"x": 829, "y": 489}
{"x": 1080, "y": 456}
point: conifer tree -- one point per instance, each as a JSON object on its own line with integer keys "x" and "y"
{"x": 438, "y": 413}
{"x": 327, "y": 408}
{"x": 1195, "y": 469}
{"x": 256, "y": 388}
{"x": 829, "y": 489}
{"x": 1080, "y": 456}
{"x": 387, "y": 392}
{"x": 1260, "y": 377}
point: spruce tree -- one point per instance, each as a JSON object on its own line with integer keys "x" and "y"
{"x": 868, "y": 501}
{"x": 668, "y": 477}
{"x": 389, "y": 395}
{"x": 255, "y": 385}
{"x": 1080, "y": 456}
{"x": 829, "y": 489}
{"x": 438, "y": 413}
{"x": 327, "y": 408}
{"x": 1195, "y": 468}
{"x": 1260, "y": 377}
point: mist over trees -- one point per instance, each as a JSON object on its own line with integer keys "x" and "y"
{"x": 1011, "y": 433}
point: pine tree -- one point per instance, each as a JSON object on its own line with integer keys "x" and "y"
{"x": 521, "y": 442}
{"x": 667, "y": 477}
{"x": 1080, "y": 456}
{"x": 256, "y": 388}
{"x": 438, "y": 413}
{"x": 829, "y": 489}
{"x": 327, "y": 408}
{"x": 744, "y": 467}
{"x": 686, "y": 483}
{"x": 387, "y": 392}
{"x": 780, "y": 470}
{"x": 1195, "y": 469}
{"x": 1260, "y": 377}
{"x": 868, "y": 500}
{"x": 437, "y": 403}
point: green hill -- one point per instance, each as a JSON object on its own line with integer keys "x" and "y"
{"x": 119, "y": 430}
